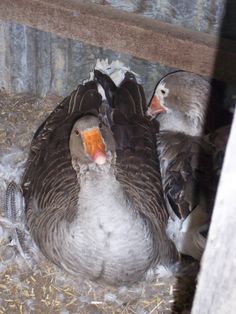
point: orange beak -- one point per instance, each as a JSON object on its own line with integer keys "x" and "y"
{"x": 94, "y": 145}
{"x": 155, "y": 107}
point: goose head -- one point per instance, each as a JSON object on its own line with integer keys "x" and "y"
{"x": 180, "y": 103}
{"x": 91, "y": 142}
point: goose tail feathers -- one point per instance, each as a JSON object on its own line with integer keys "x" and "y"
{"x": 128, "y": 98}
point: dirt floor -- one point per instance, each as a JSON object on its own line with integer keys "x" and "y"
{"x": 42, "y": 287}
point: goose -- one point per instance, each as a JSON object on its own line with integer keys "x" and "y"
{"x": 92, "y": 188}
{"x": 190, "y": 158}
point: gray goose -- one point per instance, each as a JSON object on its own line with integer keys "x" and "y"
{"x": 94, "y": 205}
{"x": 190, "y": 161}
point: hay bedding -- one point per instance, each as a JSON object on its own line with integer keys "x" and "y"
{"x": 42, "y": 287}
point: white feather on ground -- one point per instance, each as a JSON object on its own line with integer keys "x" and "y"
{"x": 11, "y": 170}
{"x": 12, "y": 166}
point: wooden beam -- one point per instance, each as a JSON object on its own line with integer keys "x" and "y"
{"x": 128, "y": 33}
{"x": 216, "y": 293}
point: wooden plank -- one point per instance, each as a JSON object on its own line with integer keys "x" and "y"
{"x": 129, "y": 33}
{"x": 216, "y": 293}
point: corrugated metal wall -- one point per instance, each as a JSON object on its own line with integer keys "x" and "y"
{"x": 42, "y": 63}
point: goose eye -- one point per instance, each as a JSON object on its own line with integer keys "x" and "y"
{"x": 100, "y": 125}
{"x": 163, "y": 91}
{"x": 76, "y": 132}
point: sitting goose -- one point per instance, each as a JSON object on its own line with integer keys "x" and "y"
{"x": 190, "y": 162}
{"x": 85, "y": 207}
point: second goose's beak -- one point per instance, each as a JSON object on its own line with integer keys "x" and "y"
{"x": 94, "y": 145}
{"x": 155, "y": 107}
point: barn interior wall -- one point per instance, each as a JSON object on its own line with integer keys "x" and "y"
{"x": 42, "y": 63}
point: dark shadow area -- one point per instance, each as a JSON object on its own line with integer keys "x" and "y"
{"x": 221, "y": 102}
{"x": 184, "y": 289}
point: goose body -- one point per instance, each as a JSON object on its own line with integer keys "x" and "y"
{"x": 190, "y": 174}
{"x": 85, "y": 206}
{"x": 190, "y": 161}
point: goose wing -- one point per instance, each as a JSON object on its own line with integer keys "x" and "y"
{"x": 190, "y": 168}
{"x": 49, "y": 178}
{"x": 187, "y": 172}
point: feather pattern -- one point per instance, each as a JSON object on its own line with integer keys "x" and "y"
{"x": 190, "y": 169}
{"x": 137, "y": 166}
{"x": 105, "y": 221}
{"x": 190, "y": 161}
{"x": 187, "y": 172}
{"x": 49, "y": 183}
